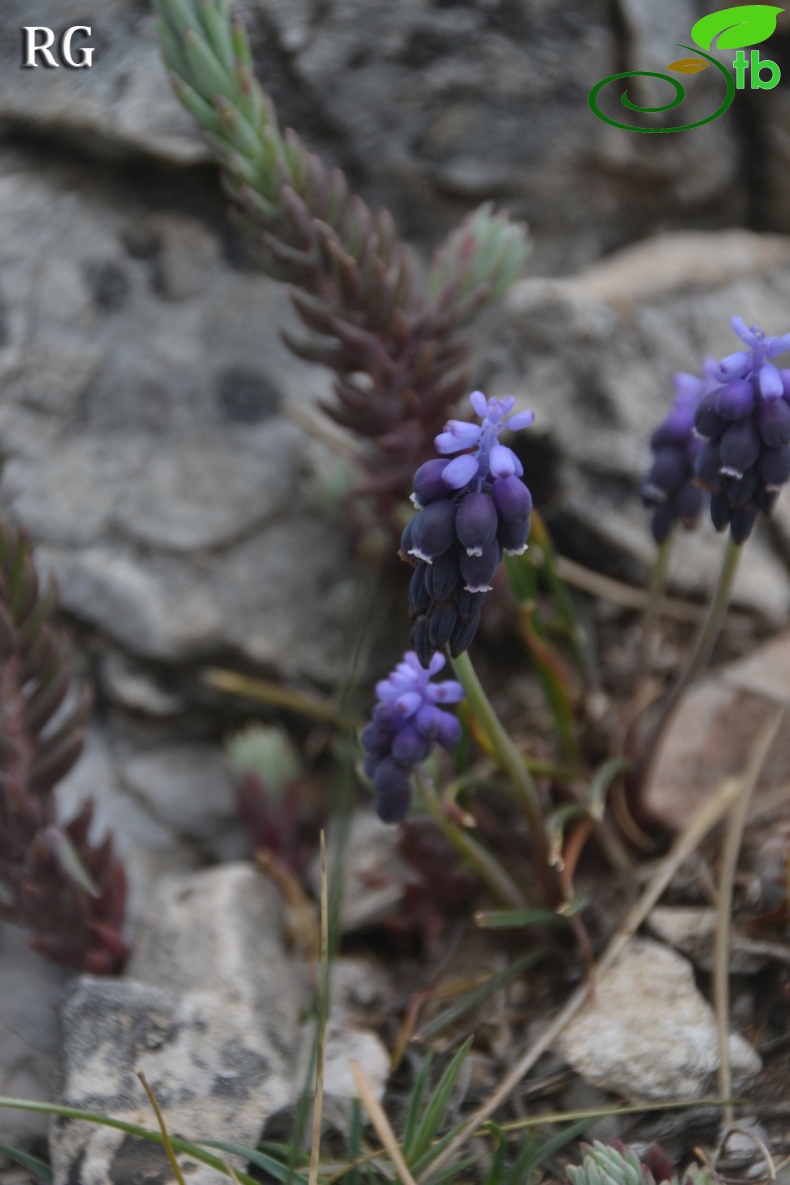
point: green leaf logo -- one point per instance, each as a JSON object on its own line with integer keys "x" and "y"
{"x": 735, "y": 28}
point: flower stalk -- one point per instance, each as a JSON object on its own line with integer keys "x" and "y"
{"x": 510, "y": 759}
{"x": 490, "y": 871}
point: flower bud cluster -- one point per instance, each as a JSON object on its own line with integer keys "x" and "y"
{"x": 670, "y": 487}
{"x": 406, "y": 723}
{"x": 471, "y": 510}
{"x": 745, "y": 423}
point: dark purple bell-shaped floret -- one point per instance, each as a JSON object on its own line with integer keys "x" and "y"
{"x": 442, "y": 623}
{"x": 428, "y": 485}
{"x": 433, "y": 530}
{"x": 473, "y": 507}
{"x": 774, "y": 466}
{"x": 668, "y": 487}
{"x": 739, "y": 447}
{"x": 773, "y": 421}
{"x": 419, "y": 596}
{"x": 745, "y": 463}
{"x": 512, "y": 499}
{"x": 668, "y": 472}
{"x": 477, "y": 571}
{"x": 689, "y": 501}
{"x": 707, "y": 467}
{"x": 476, "y": 522}
{"x": 720, "y": 509}
{"x": 512, "y": 537}
{"x": 707, "y": 421}
{"x": 742, "y": 523}
{"x": 443, "y": 575}
{"x": 735, "y": 400}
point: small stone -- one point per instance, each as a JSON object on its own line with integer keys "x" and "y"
{"x": 691, "y": 928}
{"x": 648, "y": 1033}
{"x": 208, "y": 1011}
{"x": 713, "y": 735}
{"x": 188, "y": 788}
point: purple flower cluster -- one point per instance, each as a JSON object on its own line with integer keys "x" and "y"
{"x": 670, "y": 486}
{"x": 745, "y": 421}
{"x": 471, "y": 510}
{"x": 406, "y": 722}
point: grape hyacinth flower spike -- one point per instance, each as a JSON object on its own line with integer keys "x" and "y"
{"x": 745, "y": 423}
{"x": 670, "y": 486}
{"x": 405, "y": 724}
{"x": 470, "y": 510}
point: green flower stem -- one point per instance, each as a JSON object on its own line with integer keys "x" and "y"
{"x": 658, "y": 583}
{"x": 511, "y": 761}
{"x": 505, "y": 890}
{"x": 711, "y": 627}
{"x": 701, "y": 652}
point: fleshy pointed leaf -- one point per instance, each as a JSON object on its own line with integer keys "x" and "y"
{"x": 735, "y": 28}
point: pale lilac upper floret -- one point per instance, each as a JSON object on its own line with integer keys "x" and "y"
{"x": 490, "y": 459}
{"x": 406, "y": 723}
{"x": 753, "y": 363}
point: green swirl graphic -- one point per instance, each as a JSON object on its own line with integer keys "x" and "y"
{"x": 680, "y": 95}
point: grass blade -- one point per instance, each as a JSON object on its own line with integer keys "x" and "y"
{"x": 429, "y": 1124}
{"x": 38, "y": 1168}
{"x": 275, "y": 1168}
{"x": 414, "y": 1108}
{"x": 479, "y": 995}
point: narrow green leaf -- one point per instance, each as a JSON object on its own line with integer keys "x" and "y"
{"x": 434, "y": 1113}
{"x": 180, "y": 15}
{"x": 354, "y": 1140}
{"x": 38, "y": 1168}
{"x": 508, "y": 919}
{"x": 216, "y": 22}
{"x": 536, "y": 1153}
{"x": 414, "y": 1108}
{"x": 451, "y": 1171}
{"x": 479, "y": 995}
{"x": 275, "y": 1168}
{"x": 735, "y": 28}
{"x": 172, "y": 48}
{"x": 205, "y": 72}
{"x": 197, "y": 107}
{"x": 602, "y": 779}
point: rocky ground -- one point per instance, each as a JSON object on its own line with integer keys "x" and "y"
{"x": 166, "y": 452}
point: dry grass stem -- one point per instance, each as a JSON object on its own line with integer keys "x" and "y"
{"x": 323, "y": 1008}
{"x": 628, "y": 596}
{"x": 709, "y": 814}
{"x": 380, "y": 1122}
{"x": 721, "y": 948}
{"x": 160, "y": 1119}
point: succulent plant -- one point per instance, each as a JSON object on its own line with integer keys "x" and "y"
{"x": 53, "y": 879}
{"x": 617, "y": 1164}
{"x": 391, "y": 338}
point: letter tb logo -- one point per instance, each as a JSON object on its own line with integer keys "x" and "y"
{"x": 37, "y": 42}
{"x": 738, "y": 27}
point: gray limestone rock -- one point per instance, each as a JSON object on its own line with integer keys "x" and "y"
{"x": 29, "y": 991}
{"x": 436, "y": 107}
{"x": 594, "y": 356}
{"x": 649, "y": 1034}
{"x": 122, "y": 101}
{"x": 187, "y": 788}
{"x": 156, "y": 465}
{"x": 208, "y": 1011}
